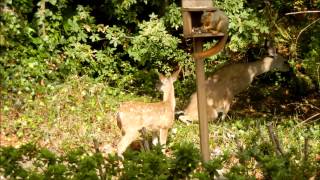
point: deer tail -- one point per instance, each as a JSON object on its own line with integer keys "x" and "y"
{"x": 212, "y": 51}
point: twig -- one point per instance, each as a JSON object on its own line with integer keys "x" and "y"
{"x": 274, "y": 140}
{"x": 305, "y": 28}
{"x": 306, "y": 149}
{"x": 96, "y": 145}
{"x": 310, "y": 105}
{"x": 1, "y": 111}
{"x": 302, "y": 12}
{"x": 42, "y": 10}
{"x": 239, "y": 146}
{"x": 318, "y": 72}
{"x": 278, "y": 142}
{"x": 311, "y": 117}
{"x": 308, "y": 119}
{"x": 100, "y": 105}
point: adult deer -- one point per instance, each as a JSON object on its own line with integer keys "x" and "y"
{"x": 229, "y": 81}
{"x": 155, "y": 117}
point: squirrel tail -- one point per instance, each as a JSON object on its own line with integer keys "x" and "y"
{"x": 212, "y": 51}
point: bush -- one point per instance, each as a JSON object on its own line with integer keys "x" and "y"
{"x": 29, "y": 162}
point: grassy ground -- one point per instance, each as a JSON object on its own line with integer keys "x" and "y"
{"x": 74, "y": 113}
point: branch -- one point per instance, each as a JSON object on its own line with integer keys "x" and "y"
{"x": 42, "y": 17}
{"x": 306, "y": 149}
{"x": 305, "y": 28}
{"x": 275, "y": 140}
{"x": 302, "y": 12}
{"x": 308, "y": 119}
{"x": 305, "y": 104}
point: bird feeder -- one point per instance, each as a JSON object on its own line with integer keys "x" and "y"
{"x": 192, "y": 11}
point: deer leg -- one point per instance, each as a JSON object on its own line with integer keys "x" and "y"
{"x": 223, "y": 116}
{"x": 214, "y": 114}
{"x": 225, "y": 111}
{"x": 185, "y": 119}
{"x": 155, "y": 139}
{"x": 126, "y": 140}
{"x": 163, "y": 137}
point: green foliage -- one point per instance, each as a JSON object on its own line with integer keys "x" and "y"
{"x": 173, "y": 17}
{"x": 30, "y": 162}
{"x": 312, "y": 60}
{"x": 185, "y": 161}
{"x": 79, "y": 110}
{"x": 127, "y": 11}
{"x": 47, "y": 165}
{"x": 210, "y": 168}
{"x": 147, "y": 165}
{"x": 59, "y": 52}
{"x": 155, "y": 47}
{"x": 114, "y": 40}
{"x": 67, "y": 41}
{"x": 246, "y": 27}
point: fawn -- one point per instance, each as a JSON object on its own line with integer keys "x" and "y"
{"x": 229, "y": 81}
{"x": 155, "y": 117}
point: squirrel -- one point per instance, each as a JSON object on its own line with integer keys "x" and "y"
{"x": 214, "y": 22}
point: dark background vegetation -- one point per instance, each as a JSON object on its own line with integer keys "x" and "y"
{"x": 44, "y": 42}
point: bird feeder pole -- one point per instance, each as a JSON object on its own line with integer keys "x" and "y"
{"x": 192, "y": 11}
{"x": 202, "y": 105}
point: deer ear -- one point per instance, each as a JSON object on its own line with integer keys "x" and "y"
{"x": 176, "y": 74}
{"x": 271, "y": 49}
{"x": 162, "y": 77}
